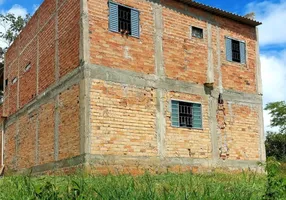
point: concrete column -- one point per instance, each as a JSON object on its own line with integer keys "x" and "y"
{"x": 85, "y": 84}
{"x": 219, "y": 59}
{"x": 210, "y": 71}
{"x": 160, "y": 74}
{"x": 57, "y": 70}
{"x": 56, "y": 131}
{"x": 38, "y": 57}
{"x": 213, "y": 127}
{"x": 259, "y": 89}
{"x": 37, "y": 139}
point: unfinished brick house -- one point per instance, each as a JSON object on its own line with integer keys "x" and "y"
{"x": 131, "y": 85}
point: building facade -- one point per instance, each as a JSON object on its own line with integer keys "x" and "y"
{"x": 131, "y": 85}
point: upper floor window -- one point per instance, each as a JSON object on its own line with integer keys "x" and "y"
{"x": 235, "y": 51}
{"x": 197, "y": 32}
{"x": 123, "y": 19}
{"x": 186, "y": 114}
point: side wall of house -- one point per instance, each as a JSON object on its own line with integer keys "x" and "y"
{"x": 135, "y": 79}
{"x": 41, "y": 98}
{"x": 47, "y": 133}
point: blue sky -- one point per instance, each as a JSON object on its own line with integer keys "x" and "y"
{"x": 272, "y": 37}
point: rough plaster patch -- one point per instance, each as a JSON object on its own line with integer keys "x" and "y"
{"x": 126, "y": 53}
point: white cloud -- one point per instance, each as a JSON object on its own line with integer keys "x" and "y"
{"x": 274, "y": 81}
{"x": 35, "y": 8}
{"x": 17, "y": 10}
{"x": 272, "y": 36}
{"x": 273, "y": 17}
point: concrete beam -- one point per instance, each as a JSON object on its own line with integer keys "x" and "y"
{"x": 152, "y": 81}
{"x": 154, "y": 162}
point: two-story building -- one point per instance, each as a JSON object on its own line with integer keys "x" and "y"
{"x": 130, "y": 85}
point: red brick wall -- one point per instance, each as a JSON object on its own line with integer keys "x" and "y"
{"x": 69, "y": 137}
{"x": 46, "y": 132}
{"x": 10, "y": 147}
{"x": 41, "y": 121}
{"x": 27, "y": 141}
{"x": 38, "y": 41}
{"x": 28, "y": 90}
{"x": 185, "y": 142}
{"x": 241, "y": 134}
{"x": 185, "y": 57}
{"x": 111, "y": 49}
{"x": 235, "y": 76}
{"x": 122, "y": 120}
{"x": 69, "y": 34}
{"x": 47, "y": 55}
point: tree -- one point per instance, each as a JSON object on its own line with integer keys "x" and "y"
{"x": 12, "y": 26}
{"x": 276, "y": 142}
{"x": 278, "y": 115}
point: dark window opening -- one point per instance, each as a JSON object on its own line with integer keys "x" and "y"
{"x": 185, "y": 114}
{"x": 197, "y": 32}
{"x": 14, "y": 80}
{"x": 235, "y": 50}
{"x": 124, "y": 20}
{"x": 27, "y": 67}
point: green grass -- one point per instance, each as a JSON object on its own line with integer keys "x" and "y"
{"x": 165, "y": 186}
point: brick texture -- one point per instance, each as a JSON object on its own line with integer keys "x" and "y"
{"x": 185, "y": 57}
{"x": 36, "y": 44}
{"x": 241, "y": 133}
{"x": 46, "y": 133}
{"x": 123, "y": 120}
{"x": 10, "y": 147}
{"x": 27, "y": 141}
{"x": 113, "y": 50}
{"x": 123, "y": 117}
{"x": 47, "y": 55}
{"x": 69, "y": 137}
{"x": 69, "y": 17}
{"x": 28, "y": 91}
{"x": 184, "y": 142}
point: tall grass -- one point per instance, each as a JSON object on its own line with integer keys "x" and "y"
{"x": 165, "y": 186}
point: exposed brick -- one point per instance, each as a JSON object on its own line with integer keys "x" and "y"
{"x": 46, "y": 133}
{"x": 111, "y": 49}
{"x": 28, "y": 77}
{"x": 123, "y": 120}
{"x": 69, "y": 18}
{"x": 27, "y": 141}
{"x": 69, "y": 137}
{"x": 47, "y": 56}
{"x": 10, "y": 147}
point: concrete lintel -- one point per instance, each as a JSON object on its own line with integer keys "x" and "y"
{"x": 64, "y": 83}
